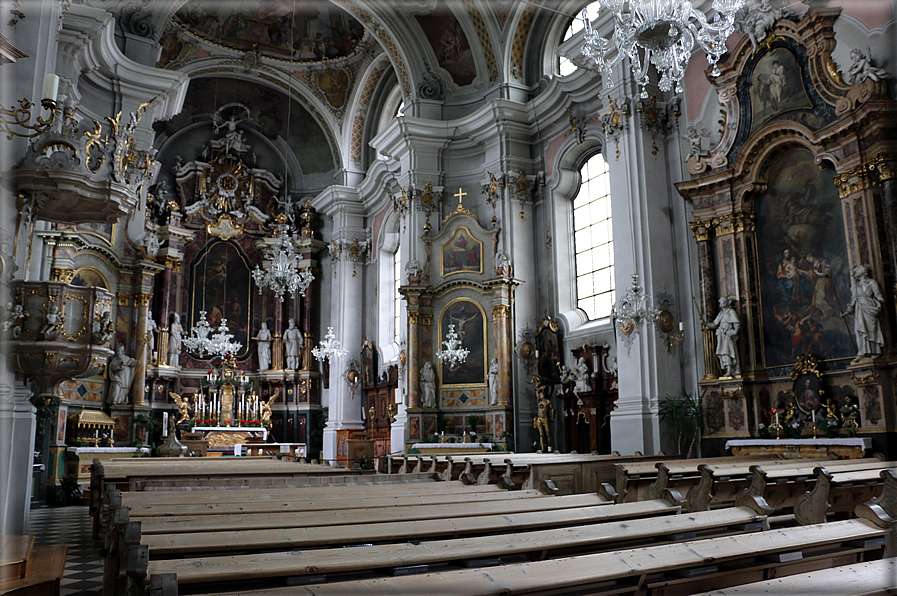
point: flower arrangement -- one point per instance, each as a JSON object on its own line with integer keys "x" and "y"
{"x": 249, "y": 423}
{"x": 208, "y": 422}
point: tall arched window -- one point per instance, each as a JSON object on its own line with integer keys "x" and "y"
{"x": 593, "y": 240}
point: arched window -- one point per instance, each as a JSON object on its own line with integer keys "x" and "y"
{"x": 593, "y": 240}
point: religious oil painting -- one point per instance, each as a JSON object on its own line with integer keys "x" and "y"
{"x": 776, "y": 87}
{"x": 449, "y": 43}
{"x": 222, "y": 286}
{"x": 88, "y": 276}
{"x": 462, "y": 253}
{"x": 808, "y": 394}
{"x": 805, "y": 281}
{"x": 469, "y": 320}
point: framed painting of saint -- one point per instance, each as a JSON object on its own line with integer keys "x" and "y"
{"x": 469, "y": 320}
{"x": 368, "y": 365}
{"x": 222, "y": 287}
{"x": 462, "y": 253}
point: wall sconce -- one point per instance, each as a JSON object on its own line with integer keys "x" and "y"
{"x": 632, "y": 310}
{"x": 353, "y": 376}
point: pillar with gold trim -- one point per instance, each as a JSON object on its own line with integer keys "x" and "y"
{"x": 702, "y": 231}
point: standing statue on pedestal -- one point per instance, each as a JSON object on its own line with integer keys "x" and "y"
{"x": 151, "y": 330}
{"x": 493, "y": 382}
{"x": 581, "y": 376}
{"x": 264, "y": 347}
{"x": 865, "y": 306}
{"x": 292, "y": 339}
{"x": 175, "y": 336}
{"x": 727, "y": 325}
{"x": 427, "y": 386}
{"x": 544, "y": 418}
{"x": 121, "y": 373}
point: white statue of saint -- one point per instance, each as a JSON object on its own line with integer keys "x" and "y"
{"x": 121, "y": 373}
{"x": 581, "y": 376}
{"x": 865, "y": 306}
{"x": 292, "y": 340}
{"x": 727, "y": 325}
{"x": 264, "y": 347}
{"x": 493, "y": 382}
{"x": 428, "y": 386}
{"x": 151, "y": 330}
{"x": 175, "y": 336}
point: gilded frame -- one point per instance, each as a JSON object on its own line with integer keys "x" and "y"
{"x": 441, "y": 335}
{"x": 443, "y": 254}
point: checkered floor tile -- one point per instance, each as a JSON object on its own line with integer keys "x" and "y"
{"x": 72, "y": 527}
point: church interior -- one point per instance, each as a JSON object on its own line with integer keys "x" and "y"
{"x": 545, "y": 256}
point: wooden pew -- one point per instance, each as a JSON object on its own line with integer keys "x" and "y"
{"x": 842, "y": 491}
{"x": 644, "y": 480}
{"x": 296, "y": 503}
{"x": 673, "y": 569}
{"x": 128, "y": 551}
{"x": 721, "y": 485}
{"x": 775, "y": 490}
{"x": 300, "y": 518}
{"x": 872, "y": 578}
{"x": 544, "y": 544}
{"x": 29, "y": 570}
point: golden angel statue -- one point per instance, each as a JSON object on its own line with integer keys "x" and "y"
{"x": 183, "y": 406}
{"x": 266, "y": 408}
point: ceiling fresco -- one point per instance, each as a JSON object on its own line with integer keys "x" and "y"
{"x": 303, "y": 30}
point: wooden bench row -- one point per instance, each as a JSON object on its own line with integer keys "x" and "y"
{"x": 620, "y": 558}
{"x": 30, "y": 570}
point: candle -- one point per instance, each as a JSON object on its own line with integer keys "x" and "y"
{"x": 155, "y": 356}
{"x": 51, "y": 87}
{"x": 164, "y": 424}
{"x": 813, "y": 416}
{"x": 777, "y": 417}
{"x": 681, "y": 326}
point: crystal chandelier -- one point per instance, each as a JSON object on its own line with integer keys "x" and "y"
{"x": 329, "y": 347}
{"x": 219, "y": 343}
{"x": 453, "y": 354}
{"x": 282, "y": 273}
{"x": 662, "y": 33}
{"x": 633, "y": 309}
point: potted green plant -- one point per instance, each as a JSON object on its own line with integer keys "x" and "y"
{"x": 684, "y": 414}
{"x": 68, "y": 492}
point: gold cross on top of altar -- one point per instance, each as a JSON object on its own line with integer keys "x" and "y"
{"x": 460, "y": 208}
{"x": 460, "y": 194}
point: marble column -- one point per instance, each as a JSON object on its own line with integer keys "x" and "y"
{"x": 702, "y": 231}
{"x": 501, "y": 334}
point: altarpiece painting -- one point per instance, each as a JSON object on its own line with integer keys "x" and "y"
{"x": 469, "y": 320}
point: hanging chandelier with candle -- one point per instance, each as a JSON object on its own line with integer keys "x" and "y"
{"x": 454, "y": 354}
{"x": 282, "y": 273}
{"x": 662, "y": 33}
{"x": 206, "y": 344}
{"x": 329, "y": 348}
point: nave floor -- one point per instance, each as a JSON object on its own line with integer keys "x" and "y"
{"x": 72, "y": 527}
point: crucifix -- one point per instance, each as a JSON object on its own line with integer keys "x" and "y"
{"x": 460, "y": 194}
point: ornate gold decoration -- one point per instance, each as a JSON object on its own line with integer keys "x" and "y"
{"x": 613, "y": 123}
{"x": 501, "y": 311}
{"x": 725, "y": 224}
{"x": 865, "y": 379}
{"x": 142, "y": 299}
{"x": 546, "y": 322}
{"x": 391, "y": 411}
{"x": 63, "y": 275}
{"x": 701, "y": 230}
{"x": 731, "y": 392}
{"x": 627, "y": 326}
{"x": 806, "y": 364}
{"x": 218, "y": 439}
{"x": 833, "y": 71}
{"x": 124, "y": 299}
{"x": 21, "y": 116}
{"x": 522, "y": 190}
{"x": 413, "y": 318}
{"x": 426, "y": 319}
{"x": 225, "y": 228}
{"x": 857, "y": 179}
{"x": 173, "y": 263}
{"x": 428, "y": 202}
{"x": 493, "y": 193}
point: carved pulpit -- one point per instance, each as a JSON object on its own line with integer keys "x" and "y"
{"x": 589, "y": 400}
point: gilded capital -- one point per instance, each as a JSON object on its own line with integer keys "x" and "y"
{"x": 501, "y": 311}
{"x": 701, "y": 230}
{"x": 413, "y": 318}
{"x": 63, "y": 275}
{"x": 124, "y": 299}
{"x": 173, "y": 263}
{"x": 426, "y": 318}
{"x": 142, "y": 299}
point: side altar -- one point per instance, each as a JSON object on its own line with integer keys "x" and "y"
{"x": 461, "y": 297}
